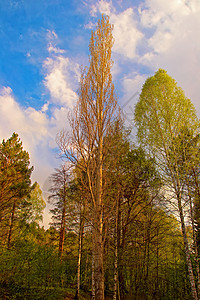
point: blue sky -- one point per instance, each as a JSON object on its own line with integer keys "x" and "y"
{"x": 43, "y": 43}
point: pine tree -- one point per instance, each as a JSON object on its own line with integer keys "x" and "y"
{"x": 15, "y": 181}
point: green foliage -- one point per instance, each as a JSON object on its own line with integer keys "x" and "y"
{"x": 33, "y": 269}
{"x": 15, "y": 182}
{"x": 32, "y": 206}
{"x": 15, "y": 172}
{"x": 163, "y": 112}
{"x": 151, "y": 262}
{"x": 168, "y": 127}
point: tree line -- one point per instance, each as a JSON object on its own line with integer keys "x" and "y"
{"x": 125, "y": 216}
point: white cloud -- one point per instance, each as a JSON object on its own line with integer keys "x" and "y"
{"x": 30, "y": 124}
{"x": 104, "y": 7}
{"x": 174, "y": 43}
{"x": 10, "y": 112}
{"x": 133, "y": 83}
{"x": 53, "y": 49}
{"x": 126, "y": 34}
{"x": 60, "y": 75}
{"x": 36, "y": 130}
{"x": 45, "y": 107}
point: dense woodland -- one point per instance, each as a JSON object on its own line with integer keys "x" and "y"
{"x": 125, "y": 215}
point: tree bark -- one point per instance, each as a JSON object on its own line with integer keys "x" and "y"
{"x": 93, "y": 279}
{"x": 81, "y": 232}
{"x": 187, "y": 253}
{"x": 117, "y": 233}
{"x": 195, "y": 243}
{"x": 11, "y": 224}
{"x": 63, "y": 221}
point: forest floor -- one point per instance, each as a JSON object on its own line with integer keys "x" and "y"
{"x": 70, "y": 296}
{"x": 83, "y": 296}
{"x": 19, "y": 293}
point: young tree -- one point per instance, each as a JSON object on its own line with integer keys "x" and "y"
{"x": 162, "y": 115}
{"x": 90, "y": 122}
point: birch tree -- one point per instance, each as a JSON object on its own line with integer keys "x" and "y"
{"x": 162, "y": 115}
{"x": 90, "y": 122}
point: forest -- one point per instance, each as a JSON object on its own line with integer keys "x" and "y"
{"x": 125, "y": 212}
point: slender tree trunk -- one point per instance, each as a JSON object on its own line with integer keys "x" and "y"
{"x": 117, "y": 233}
{"x": 81, "y": 232}
{"x": 195, "y": 244}
{"x": 98, "y": 226}
{"x": 62, "y": 232}
{"x": 187, "y": 253}
{"x": 11, "y": 223}
{"x": 93, "y": 268}
{"x": 98, "y": 263}
{"x": 147, "y": 256}
{"x": 157, "y": 265}
{"x": 121, "y": 266}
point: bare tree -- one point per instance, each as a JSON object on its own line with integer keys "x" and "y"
{"x": 91, "y": 121}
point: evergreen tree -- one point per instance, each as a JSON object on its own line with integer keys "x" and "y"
{"x": 15, "y": 181}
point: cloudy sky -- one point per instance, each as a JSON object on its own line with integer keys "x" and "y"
{"x": 44, "y": 43}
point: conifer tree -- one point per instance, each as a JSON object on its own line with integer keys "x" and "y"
{"x": 15, "y": 181}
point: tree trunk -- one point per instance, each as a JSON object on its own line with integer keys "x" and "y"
{"x": 98, "y": 226}
{"x": 188, "y": 259}
{"x": 117, "y": 233}
{"x": 11, "y": 223}
{"x": 98, "y": 263}
{"x": 81, "y": 231}
{"x": 62, "y": 232}
{"x": 195, "y": 243}
{"x": 93, "y": 280}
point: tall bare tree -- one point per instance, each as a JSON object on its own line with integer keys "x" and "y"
{"x": 91, "y": 121}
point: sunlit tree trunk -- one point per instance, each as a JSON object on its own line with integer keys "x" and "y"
{"x": 81, "y": 232}
{"x": 187, "y": 253}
